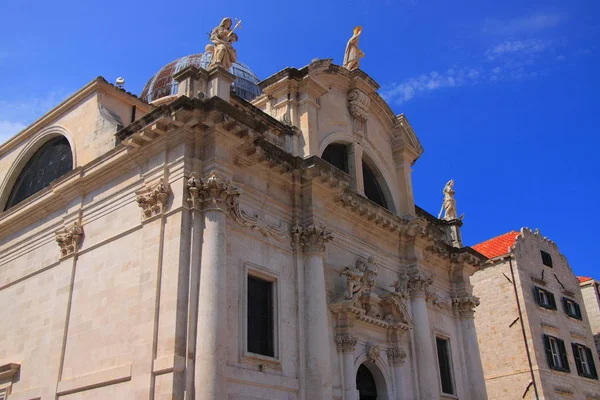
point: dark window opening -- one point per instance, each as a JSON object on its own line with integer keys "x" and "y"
{"x": 444, "y": 360}
{"x": 50, "y": 162}
{"x": 544, "y": 298}
{"x": 336, "y": 154}
{"x": 365, "y": 384}
{"x": 584, "y": 361}
{"x": 260, "y": 317}
{"x": 546, "y": 259}
{"x": 373, "y": 190}
{"x": 572, "y": 308}
{"x": 556, "y": 353}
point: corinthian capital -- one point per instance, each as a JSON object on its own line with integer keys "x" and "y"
{"x": 310, "y": 238}
{"x": 397, "y": 356}
{"x": 418, "y": 283}
{"x": 213, "y": 192}
{"x": 69, "y": 239}
{"x": 465, "y": 306}
{"x": 345, "y": 343}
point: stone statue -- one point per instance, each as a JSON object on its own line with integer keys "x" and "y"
{"x": 360, "y": 277}
{"x": 354, "y": 280}
{"x": 449, "y": 203}
{"x": 222, "y": 37}
{"x": 353, "y": 53}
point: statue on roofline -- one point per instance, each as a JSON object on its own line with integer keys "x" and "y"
{"x": 449, "y": 203}
{"x": 222, "y": 37}
{"x": 353, "y": 53}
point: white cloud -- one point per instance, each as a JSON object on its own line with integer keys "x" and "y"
{"x": 521, "y": 25}
{"x": 16, "y": 114}
{"x": 517, "y": 47}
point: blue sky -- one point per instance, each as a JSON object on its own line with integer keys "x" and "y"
{"x": 503, "y": 95}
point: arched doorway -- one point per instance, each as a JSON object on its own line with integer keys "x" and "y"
{"x": 365, "y": 384}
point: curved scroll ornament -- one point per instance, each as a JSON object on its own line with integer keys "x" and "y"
{"x": 310, "y": 238}
{"x": 358, "y": 103}
{"x": 218, "y": 192}
{"x": 69, "y": 239}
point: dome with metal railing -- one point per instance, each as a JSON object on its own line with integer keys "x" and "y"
{"x": 162, "y": 83}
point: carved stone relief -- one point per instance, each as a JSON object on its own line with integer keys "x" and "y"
{"x": 69, "y": 239}
{"x": 373, "y": 352}
{"x": 358, "y": 105}
{"x": 465, "y": 305}
{"x": 310, "y": 238}
{"x": 418, "y": 283}
{"x": 360, "y": 277}
{"x": 153, "y": 199}
{"x": 345, "y": 343}
{"x": 397, "y": 356}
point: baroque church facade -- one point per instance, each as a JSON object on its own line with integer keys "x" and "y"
{"x": 225, "y": 238}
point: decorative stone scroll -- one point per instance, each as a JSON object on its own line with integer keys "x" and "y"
{"x": 153, "y": 199}
{"x": 358, "y": 104}
{"x": 360, "y": 278}
{"x": 373, "y": 352}
{"x": 219, "y": 193}
{"x": 310, "y": 238}
{"x": 465, "y": 305}
{"x": 69, "y": 239}
{"x": 345, "y": 343}
{"x": 396, "y": 356}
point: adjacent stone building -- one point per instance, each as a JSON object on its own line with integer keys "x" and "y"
{"x": 590, "y": 290}
{"x": 254, "y": 241}
{"x": 534, "y": 333}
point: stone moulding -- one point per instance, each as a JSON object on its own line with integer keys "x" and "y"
{"x": 217, "y": 192}
{"x": 69, "y": 239}
{"x": 153, "y": 199}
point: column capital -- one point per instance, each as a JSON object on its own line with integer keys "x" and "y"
{"x": 69, "y": 238}
{"x": 418, "y": 283}
{"x": 465, "y": 306}
{"x": 345, "y": 343}
{"x": 215, "y": 192}
{"x": 397, "y": 356}
{"x": 310, "y": 238}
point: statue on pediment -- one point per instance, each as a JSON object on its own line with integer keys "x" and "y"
{"x": 353, "y": 54}
{"x": 223, "y": 37}
{"x": 449, "y": 203}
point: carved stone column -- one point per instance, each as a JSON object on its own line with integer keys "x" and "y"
{"x": 426, "y": 361}
{"x": 464, "y": 308}
{"x": 311, "y": 239}
{"x": 397, "y": 357}
{"x": 346, "y": 345}
{"x": 215, "y": 196}
{"x": 355, "y": 154}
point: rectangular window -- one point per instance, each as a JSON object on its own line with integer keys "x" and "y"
{"x": 546, "y": 259}
{"x": 572, "y": 308}
{"x": 556, "y": 353}
{"x": 544, "y": 298}
{"x": 3, "y": 394}
{"x": 260, "y": 317}
{"x": 584, "y": 361}
{"x": 445, "y": 364}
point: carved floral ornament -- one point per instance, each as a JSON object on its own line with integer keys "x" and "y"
{"x": 310, "y": 238}
{"x": 397, "y": 356}
{"x": 373, "y": 352}
{"x": 345, "y": 343}
{"x": 153, "y": 199}
{"x": 217, "y": 192}
{"x": 465, "y": 305}
{"x": 69, "y": 238}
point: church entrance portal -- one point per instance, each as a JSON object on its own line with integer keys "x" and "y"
{"x": 365, "y": 383}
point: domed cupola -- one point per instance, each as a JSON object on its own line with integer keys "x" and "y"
{"x": 162, "y": 83}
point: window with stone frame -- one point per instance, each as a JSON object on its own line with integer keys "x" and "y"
{"x": 3, "y": 394}
{"x": 260, "y": 317}
{"x": 584, "y": 361}
{"x": 546, "y": 258}
{"x": 336, "y": 154}
{"x": 556, "y": 353}
{"x": 544, "y": 298}
{"x": 572, "y": 308}
{"x": 445, "y": 365}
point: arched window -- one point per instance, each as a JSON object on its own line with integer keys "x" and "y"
{"x": 373, "y": 189}
{"x": 365, "y": 384}
{"x": 50, "y": 162}
{"x": 336, "y": 154}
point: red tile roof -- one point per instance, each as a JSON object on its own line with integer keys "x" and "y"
{"x": 584, "y": 278}
{"x": 497, "y": 246}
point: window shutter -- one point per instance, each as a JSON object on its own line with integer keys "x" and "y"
{"x": 563, "y": 355}
{"x": 552, "y": 301}
{"x": 565, "y": 305}
{"x": 536, "y": 295}
{"x": 590, "y": 360}
{"x": 548, "y": 351}
{"x": 578, "y": 311}
{"x": 577, "y": 359}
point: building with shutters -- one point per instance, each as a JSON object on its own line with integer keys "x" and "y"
{"x": 534, "y": 333}
{"x": 222, "y": 237}
{"x": 590, "y": 290}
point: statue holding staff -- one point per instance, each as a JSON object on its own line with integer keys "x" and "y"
{"x": 222, "y": 37}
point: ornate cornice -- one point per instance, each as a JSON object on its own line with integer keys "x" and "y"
{"x": 465, "y": 305}
{"x": 311, "y": 238}
{"x": 153, "y": 199}
{"x": 397, "y": 356}
{"x": 69, "y": 238}
{"x": 345, "y": 343}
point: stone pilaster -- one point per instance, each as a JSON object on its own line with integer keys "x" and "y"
{"x": 311, "y": 239}
{"x": 396, "y": 357}
{"x": 215, "y": 196}
{"x": 346, "y": 344}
